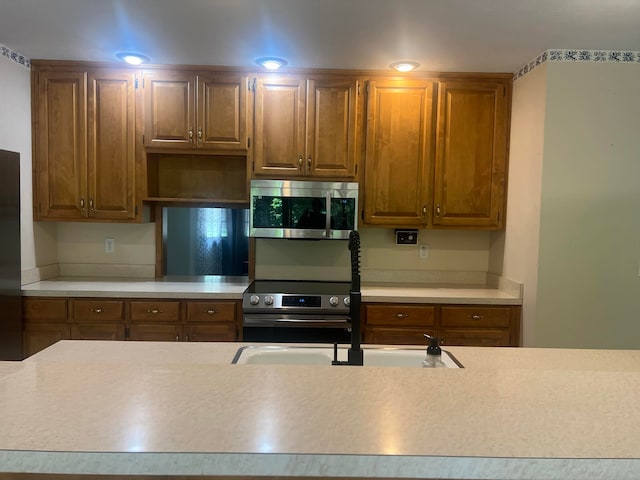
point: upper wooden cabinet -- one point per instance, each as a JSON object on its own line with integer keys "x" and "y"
{"x": 188, "y": 110}
{"x": 444, "y": 171}
{"x": 471, "y": 154}
{"x": 399, "y": 150}
{"x": 306, "y": 126}
{"x": 84, "y": 139}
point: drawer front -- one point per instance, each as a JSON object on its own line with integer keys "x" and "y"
{"x": 470, "y": 316}
{"x": 155, "y": 333}
{"x": 395, "y": 336}
{"x": 400, "y": 315}
{"x": 98, "y": 310}
{"x": 155, "y": 311}
{"x": 44, "y": 309}
{"x": 97, "y": 331}
{"x": 475, "y": 337}
{"x": 211, "y": 333}
{"x": 211, "y": 312}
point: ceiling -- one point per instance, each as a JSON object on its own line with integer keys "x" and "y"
{"x": 442, "y": 35}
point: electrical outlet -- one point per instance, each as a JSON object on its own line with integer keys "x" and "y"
{"x": 424, "y": 251}
{"x": 109, "y": 245}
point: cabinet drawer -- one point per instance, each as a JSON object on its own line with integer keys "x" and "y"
{"x": 470, "y": 316}
{"x": 97, "y": 331}
{"x": 98, "y": 310}
{"x": 155, "y": 332}
{"x": 211, "y": 312}
{"x": 400, "y": 315}
{"x": 44, "y": 309}
{"x": 475, "y": 337}
{"x": 395, "y": 336}
{"x": 155, "y": 311}
{"x": 211, "y": 333}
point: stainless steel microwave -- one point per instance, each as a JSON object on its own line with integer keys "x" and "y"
{"x": 301, "y": 209}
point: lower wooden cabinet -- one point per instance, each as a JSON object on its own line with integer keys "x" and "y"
{"x": 471, "y": 325}
{"x": 48, "y": 320}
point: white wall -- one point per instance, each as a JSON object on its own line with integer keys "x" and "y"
{"x": 38, "y": 242}
{"x": 589, "y": 253}
{"x": 514, "y": 253}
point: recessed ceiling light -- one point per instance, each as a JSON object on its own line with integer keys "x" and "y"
{"x": 271, "y": 63}
{"x": 404, "y": 66}
{"x": 132, "y": 58}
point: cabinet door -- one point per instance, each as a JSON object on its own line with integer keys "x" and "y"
{"x": 169, "y": 115}
{"x": 471, "y": 154}
{"x": 60, "y": 146}
{"x": 222, "y": 111}
{"x": 398, "y": 152}
{"x": 155, "y": 332}
{"x": 111, "y": 141}
{"x": 210, "y": 333}
{"x": 279, "y": 126}
{"x": 332, "y": 117}
{"x": 39, "y": 335}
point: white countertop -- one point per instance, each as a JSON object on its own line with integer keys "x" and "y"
{"x": 233, "y": 287}
{"x": 182, "y": 409}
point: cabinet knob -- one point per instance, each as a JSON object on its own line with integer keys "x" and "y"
{"x": 475, "y": 316}
{"x": 300, "y": 163}
{"x": 438, "y": 210}
{"x": 191, "y": 134}
{"x": 96, "y": 310}
{"x": 210, "y": 312}
{"x": 401, "y": 315}
{"x": 153, "y": 311}
{"x": 200, "y": 135}
{"x": 309, "y": 162}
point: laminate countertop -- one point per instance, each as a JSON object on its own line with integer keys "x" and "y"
{"x": 233, "y": 287}
{"x": 138, "y": 408}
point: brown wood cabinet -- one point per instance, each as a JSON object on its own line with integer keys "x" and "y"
{"x": 444, "y": 171}
{"x": 471, "y": 154}
{"x": 84, "y": 143}
{"x": 47, "y": 320}
{"x": 306, "y": 126}
{"x": 472, "y": 325}
{"x": 195, "y": 110}
{"x": 399, "y": 150}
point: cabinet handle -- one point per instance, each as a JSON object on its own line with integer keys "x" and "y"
{"x": 177, "y": 338}
{"x": 210, "y": 312}
{"x": 153, "y": 311}
{"x": 191, "y": 134}
{"x": 91, "y": 204}
{"x": 437, "y": 210}
{"x": 309, "y": 162}
{"x": 82, "y": 203}
{"x": 96, "y": 310}
{"x": 300, "y": 163}
{"x": 475, "y": 316}
{"x": 424, "y": 210}
{"x": 200, "y": 135}
{"x": 186, "y": 339}
{"x": 401, "y": 315}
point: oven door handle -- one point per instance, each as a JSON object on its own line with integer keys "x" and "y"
{"x": 328, "y": 321}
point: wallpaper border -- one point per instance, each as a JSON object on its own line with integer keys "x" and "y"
{"x": 569, "y": 55}
{"x": 15, "y": 56}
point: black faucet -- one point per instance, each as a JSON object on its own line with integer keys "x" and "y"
{"x": 354, "y": 355}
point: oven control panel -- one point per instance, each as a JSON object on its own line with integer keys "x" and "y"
{"x": 263, "y": 296}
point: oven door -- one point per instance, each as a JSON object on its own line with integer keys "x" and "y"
{"x": 287, "y": 328}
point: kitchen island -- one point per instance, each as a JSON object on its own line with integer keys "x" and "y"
{"x": 150, "y": 408}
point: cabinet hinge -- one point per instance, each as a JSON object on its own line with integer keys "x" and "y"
{"x": 254, "y": 84}
{"x": 248, "y": 142}
{"x": 135, "y": 82}
{"x": 253, "y": 165}
{"x": 358, "y": 87}
{"x": 143, "y": 138}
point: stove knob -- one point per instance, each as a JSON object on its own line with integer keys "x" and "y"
{"x": 254, "y": 299}
{"x": 347, "y": 301}
{"x": 333, "y": 301}
{"x": 268, "y": 300}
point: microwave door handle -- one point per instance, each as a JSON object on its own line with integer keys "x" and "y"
{"x": 327, "y": 220}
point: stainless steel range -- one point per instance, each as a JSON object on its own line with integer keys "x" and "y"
{"x": 296, "y": 311}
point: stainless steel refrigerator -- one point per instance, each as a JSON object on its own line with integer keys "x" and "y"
{"x": 10, "y": 294}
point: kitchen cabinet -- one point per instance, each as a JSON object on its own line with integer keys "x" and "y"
{"x": 47, "y": 320}
{"x": 471, "y": 153}
{"x": 471, "y": 325}
{"x": 399, "y": 152}
{"x": 84, "y": 143}
{"x": 44, "y": 323}
{"x": 436, "y": 152}
{"x": 306, "y": 126}
{"x": 192, "y": 110}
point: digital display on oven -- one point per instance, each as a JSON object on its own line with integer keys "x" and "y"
{"x": 301, "y": 301}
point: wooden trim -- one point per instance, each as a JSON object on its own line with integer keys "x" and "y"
{"x": 159, "y": 220}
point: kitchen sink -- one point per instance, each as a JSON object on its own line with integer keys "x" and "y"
{"x": 323, "y": 355}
